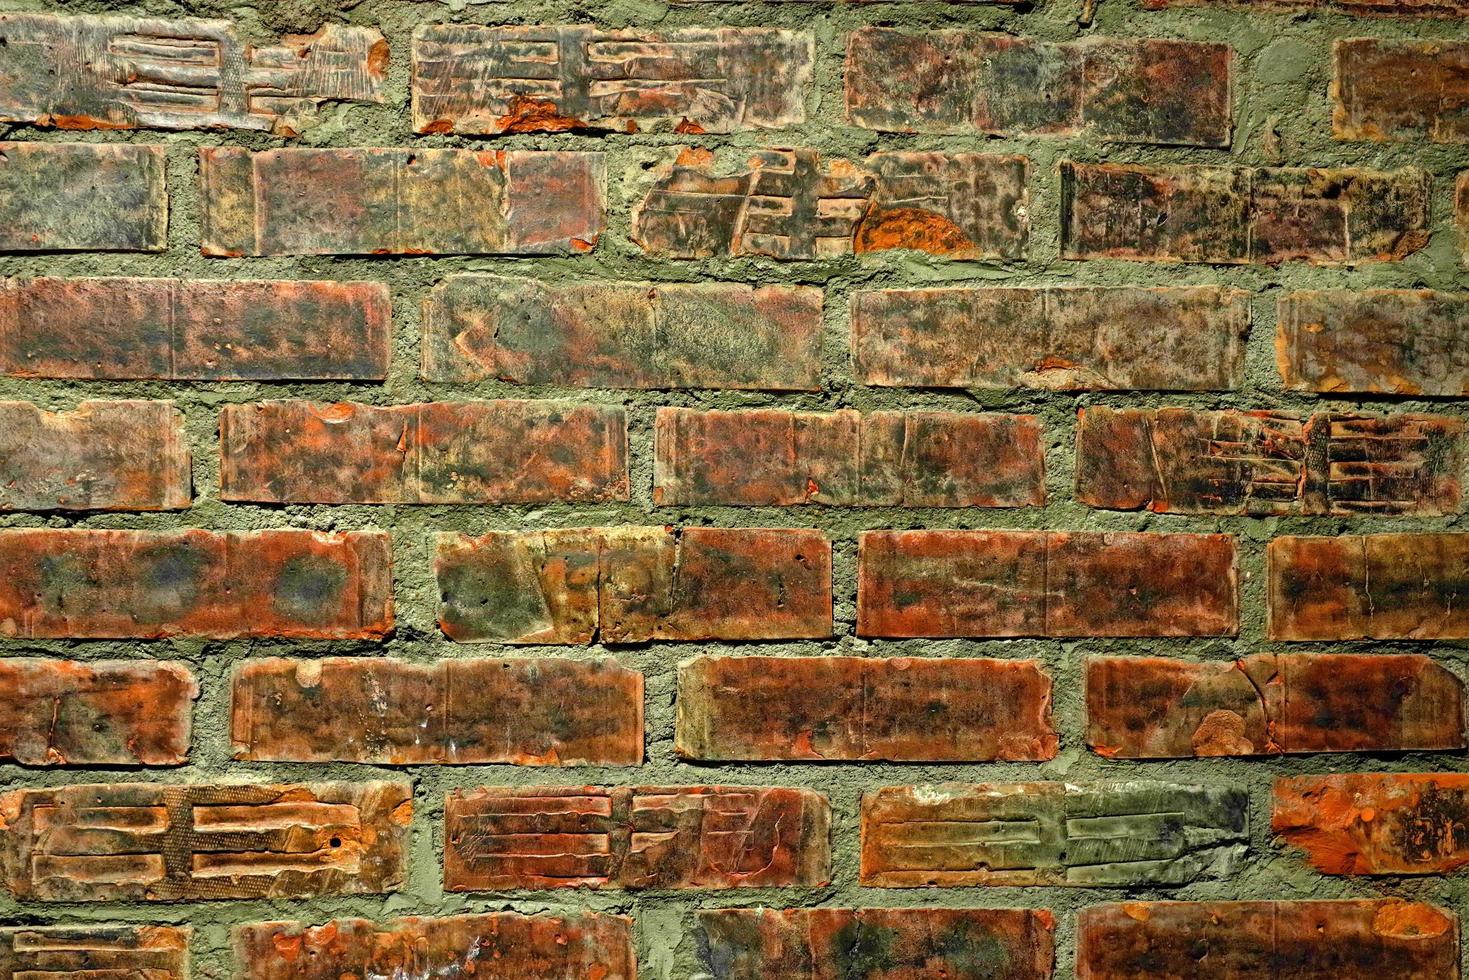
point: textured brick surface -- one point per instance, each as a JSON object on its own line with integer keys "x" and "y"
{"x": 539, "y": 712}
{"x": 860, "y": 708}
{"x": 880, "y": 459}
{"x": 1461, "y": 215}
{"x": 497, "y": 839}
{"x": 78, "y": 197}
{"x": 94, "y": 952}
{"x": 1402, "y": 91}
{"x": 1271, "y": 704}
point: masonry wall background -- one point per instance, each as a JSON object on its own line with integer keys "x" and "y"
{"x": 1281, "y": 117}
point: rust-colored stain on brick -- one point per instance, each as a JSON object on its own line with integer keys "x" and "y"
{"x": 493, "y": 946}
{"x": 82, "y": 197}
{"x": 947, "y": 709}
{"x": 793, "y": 204}
{"x": 532, "y": 711}
{"x": 635, "y": 585}
{"x": 1282, "y": 940}
{"x": 1376, "y": 823}
{"x": 167, "y": 843}
{"x": 877, "y": 944}
{"x": 955, "y": 81}
{"x": 1461, "y": 215}
{"x": 95, "y": 952}
{"x": 1060, "y": 339}
{"x": 105, "y": 455}
{"x": 433, "y": 453}
{"x": 1369, "y": 587}
{"x": 194, "y": 329}
{"x": 760, "y": 457}
{"x": 1239, "y": 215}
{"x": 1403, "y": 91}
{"x": 1180, "y": 460}
{"x": 714, "y": 837}
{"x": 150, "y": 584}
{"x": 1271, "y": 704}
{"x": 623, "y": 335}
{"x": 1103, "y": 835}
{"x": 1351, "y": 8}
{"x": 1045, "y": 583}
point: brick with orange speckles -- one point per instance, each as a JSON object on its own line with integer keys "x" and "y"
{"x": 83, "y": 197}
{"x": 382, "y": 201}
{"x": 533, "y": 711}
{"x": 507, "y": 451}
{"x": 495, "y": 946}
{"x": 94, "y": 951}
{"x": 1280, "y": 940}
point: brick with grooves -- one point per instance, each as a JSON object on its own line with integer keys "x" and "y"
{"x": 85, "y": 951}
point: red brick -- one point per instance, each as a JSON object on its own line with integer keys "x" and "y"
{"x": 489, "y": 80}
{"x": 955, "y": 81}
{"x": 1280, "y": 940}
{"x": 1238, "y": 215}
{"x": 534, "y": 712}
{"x": 1461, "y": 215}
{"x": 1045, "y": 583}
{"x": 1376, "y": 823}
{"x": 1180, "y": 460}
{"x": 501, "y": 838}
{"x": 1369, "y": 587}
{"x": 104, "y": 713}
{"x": 135, "y": 72}
{"x": 1062, "y": 339}
{"x": 194, "y": 329}
{"x": 760, "y": 457}
{"x": 623, "y": 335}
{"x": 792, "y": 204}
{"x": 225, "y": 584}
{"x": 510, "y": 946}
{"x": 947, "y": 709}
{"x": 635, "y": 585}
{"x": 94, "y": 952}
{"x": 384, "y": 201}
{"x": 433, "y": 453}
{"x": 123, "y": 455}
{"x": 1390, "y": 341}
{"x": 1405, "y": 91}
{"x": 82, "y": 197}
{"x": 877, "y": 944}
{"x": 166, "y": 843}
{"x": 1271, "y": 704}
{"x": 1056, "y": 834}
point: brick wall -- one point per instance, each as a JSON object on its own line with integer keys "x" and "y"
{"x": 583, "y": 488}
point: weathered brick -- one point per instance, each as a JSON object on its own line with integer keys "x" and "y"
{"x": 94, "y": 952}
{"x": 1369, "y": 587}
{"x": 168, "y": 843}
{"x": 623, "y": 335}
{"x": 1271, "y": 704}
{"x": 1184, "y": 461}
{"x": 877, "y": 944}
{"x": 510, "y": 946}
{"x": 535, "y": 712}
{"x": 1104, "y": 835}
{"x": 433, "y": 453}
{"x": 947, "y": 709}
{"x": 136, "y": 72}
{"x": 384, "y": 201}
{"x": 1405, "y": 91}
{"x": 1353, "y": 8}
{"x": 122, "y": 455}
{"x": 73, "y": 583}
{"x": 1391, "y": 341}
{"x": 1280, "y": 940}
{"x": 1045, "y": 583}
{"x": 1376, "y": 823}
{"x": 194, "y": 329}
{"x": 792, "y": 204}
{"x": 1239, "y": 215}
{"x": 635, "y": 585}
{"x": 956, "y": 81}
{"x": 762, "y": 456}
{"x": 502, "y": 838}
{"x": 103, "y": 713}
{"x": 82, "y": 197}
{"x": 488, "y": 80}
{"x": 1063, "y": 339}
{"x": 1461, "y": 215}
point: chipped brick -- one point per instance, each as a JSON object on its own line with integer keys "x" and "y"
{"x": 82, "y": 197}
{"x": 1404, "y": 91}
{"x": 1376, "y": 823}
{"x": 94, "y": 952}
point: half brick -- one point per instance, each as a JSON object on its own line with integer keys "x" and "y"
{"x": 1376, "y": 823}
{"x": 82, "y": 197}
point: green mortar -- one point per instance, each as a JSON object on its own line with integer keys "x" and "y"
{"x": 1283, "y": 118}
